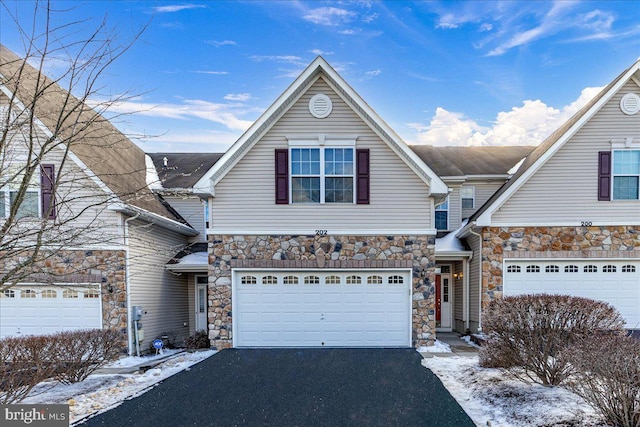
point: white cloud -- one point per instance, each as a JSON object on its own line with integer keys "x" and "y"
{"x": 283, "y": 59}
{"x": 329, "y": 16}
{"x": 528, "y": 124}
{"x": 218, "y": 43}
{"x": 320, "y": 52}
{"x": 242, "y": 97}
{"x": 348, "y": 32}
{"x": 215, "y": 73}
{"x": 177, "y": 8}
{"x": 486, "y": 27}
{"x": 373, "y": 73}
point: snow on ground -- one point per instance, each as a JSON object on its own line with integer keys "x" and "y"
{"x": 100, "y": 392}
{"x": 492, "y": 399}
{"x": 437, "y": 347}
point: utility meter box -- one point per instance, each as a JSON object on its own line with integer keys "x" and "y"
{"x": 136, "y": 313}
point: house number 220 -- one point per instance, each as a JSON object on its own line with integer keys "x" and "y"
{"x": 321, "y": 232}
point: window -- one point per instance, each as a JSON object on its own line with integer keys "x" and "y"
{"x": 514, "y": 269}
{"x": 248, "y": 280}
{"x": 374, "y": 280}
{"x": 332, "y": 280}
{"x": 442, "y": 215}
{"x": 571, "y": 269}
{"x": 395, "y": 280}
{"x": 9, "y": 293}
{"x": 69, "y": 293}
{"x": 590, "y": 269}
{"x": 625, "y": 269}
{"x": 290, "y": 280}
{"x": 269, "y": 280}
{"x": 609, "y": 269}
{"x": 533, "y": 269}
{"x": 626, "y": 174}
{"x": 552, "y": 269}
{"x": 354, "y": 280}
{"x": 49, "y": 293}
{"x": 28, "y": 293}
{"x": 312, "y": 280}
{"x": 467, "y": 194}
{"x": 39, "y": 196}
{"x": 92, "y": 294}
{"x": 322, "y": 175}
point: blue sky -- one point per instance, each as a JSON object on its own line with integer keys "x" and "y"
{"x": 443, "y": 73}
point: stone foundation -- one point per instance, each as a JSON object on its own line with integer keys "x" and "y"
{"x": 318, "y": 252}
{"x": 499, "y": 243}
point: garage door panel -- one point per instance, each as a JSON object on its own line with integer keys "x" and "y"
{"x": 335, "y": 314}
{"x": 583, "y": 278}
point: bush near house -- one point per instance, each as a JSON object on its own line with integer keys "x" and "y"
{"x": 527, "y": 335}
{"x": 608, "y": 377}
{"x": 66, "y": 356}
{"x": 198, "y": 340}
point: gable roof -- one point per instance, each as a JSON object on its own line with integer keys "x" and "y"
{"x": 466, "y": 161}
{"x": 183, "y": 170}
{"x": 319, "y": 67}
{"x": 539, "y": 156}
{"x": 95, "y": 144}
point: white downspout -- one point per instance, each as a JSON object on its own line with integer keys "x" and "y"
{"x": 127, "y": 279}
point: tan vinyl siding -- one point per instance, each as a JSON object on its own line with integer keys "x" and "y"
{"x": 483, "y": 190}
{"x": 192, "y": 210}
{"x": 565, "y": 189}
{"x": 245, "y": 196}
{"x": 163, "y": 296}
{"x": 191, "y": 292}
{"x": 455, "y": 207}
{"x": 458, "y": 297}
{"x": 474, "y": 283}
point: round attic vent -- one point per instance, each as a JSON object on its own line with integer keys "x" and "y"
{"x": 320, "y": 106}
{"x": 630, "y": 104}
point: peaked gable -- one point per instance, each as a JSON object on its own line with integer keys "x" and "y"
{"x": 318, "y": 68}
{"x": 96, "y": 145}
{"x": 551, "y": 145}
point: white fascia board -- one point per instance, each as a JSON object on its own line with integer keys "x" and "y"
{"x": 207, "y": 182}
{"x": 448, "y": 255}
{"x": 70, "y": 153}
{"x": 484, "y": 220}
{"x": 596, "y": 223}
{"x": 154, "y": 218}
{"x": 415, "y": 163}
{"x": 466, "y": 230}
{"x": 187, "y": 268}
{"x": 330, "y": 232}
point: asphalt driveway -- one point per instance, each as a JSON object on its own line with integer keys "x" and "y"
{"x": 296, "y": 387}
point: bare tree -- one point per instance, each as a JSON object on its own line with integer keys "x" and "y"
{"x": 63, "y": 165}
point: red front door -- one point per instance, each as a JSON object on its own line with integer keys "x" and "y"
{"x": 438, "y": 296}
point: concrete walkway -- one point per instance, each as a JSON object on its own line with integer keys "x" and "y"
{"x": 459, "y": 347}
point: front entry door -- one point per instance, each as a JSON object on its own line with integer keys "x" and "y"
{"x": 201, "y": 304}
{"x": 443, "y": 301}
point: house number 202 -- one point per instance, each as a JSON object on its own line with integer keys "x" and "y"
{"x": 321, "y": 232}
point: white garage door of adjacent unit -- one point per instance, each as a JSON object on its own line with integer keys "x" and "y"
{"x": 322, "y": 308}
{"x": 614, "y": 281}
{"x": 38, "y": 309}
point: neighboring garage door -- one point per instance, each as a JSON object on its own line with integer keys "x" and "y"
{"x": 322, "y": 308}
{"x": 37, "y": 309}
{"x": 616, "y": 282}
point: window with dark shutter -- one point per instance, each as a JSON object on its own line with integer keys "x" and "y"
{"x": 47, "y": 193}
{"x": 282, "y": 176}
{"x": 362, "y": 176}
{"x": 604, "y": 175}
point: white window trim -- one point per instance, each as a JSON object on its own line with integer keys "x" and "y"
{"x": 5, "y": 193}
{"x": 628, "y": 147}
{"x": 473, "y": 196}
{"x": 441, "y": 210}
{"x": 322, "y": 174}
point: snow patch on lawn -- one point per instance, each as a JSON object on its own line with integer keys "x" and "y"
{"x": 492, "y": 399}
{"x": 437, "y": 347}
{"x": 101, "y": 392}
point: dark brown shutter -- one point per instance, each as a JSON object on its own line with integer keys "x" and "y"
{"x": 47, "y": 193}
{"x": 282, "y": 176}
{"x": 604, "y": 175}
{"x": 362, "y": 176}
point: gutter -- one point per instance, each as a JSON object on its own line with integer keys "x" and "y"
{"x": 154, "y": 218}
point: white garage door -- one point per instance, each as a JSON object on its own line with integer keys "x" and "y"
{"x": 614, "y": 281}
{"x": 37, "y": 309}
{"x": 322, "y": 308}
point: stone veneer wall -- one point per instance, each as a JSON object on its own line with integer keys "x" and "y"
{"x": 499, "y": 243}
{"x": 317, "y": 252}
{"x": 89, "y": 266}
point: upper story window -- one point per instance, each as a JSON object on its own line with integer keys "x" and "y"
{"x": 467, "y": 195}
{"x": 442, "y": 215}
{"x": 322, "y": 175}
{"x": 38, "y": 197}
{"x": 626, "y": 174}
